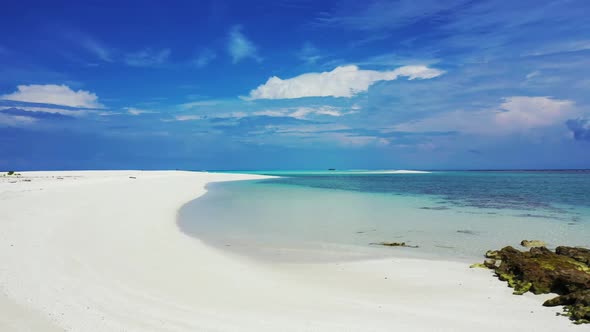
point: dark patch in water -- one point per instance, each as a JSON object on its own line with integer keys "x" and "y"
{"x": 437, "y": 208}
{"x": 444, "y": 247}
{"x": 363, "y": 232}
{"x": 533, "y": 191}
{"x": 393, "y": 244}
{"x": 466, "y": 231}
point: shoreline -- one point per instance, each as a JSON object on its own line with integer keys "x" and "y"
{"x": 290, "y": 222}
{"x": 101, "y": 251}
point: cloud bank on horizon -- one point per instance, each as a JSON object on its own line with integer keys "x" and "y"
{"x": 380, "y": 84}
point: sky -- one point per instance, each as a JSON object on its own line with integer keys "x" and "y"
{"x": 295, "y": 84}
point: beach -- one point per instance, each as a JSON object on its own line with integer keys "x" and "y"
{"x": 102, "y": 251}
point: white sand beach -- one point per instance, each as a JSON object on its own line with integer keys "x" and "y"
{"x": 101, "y": 251}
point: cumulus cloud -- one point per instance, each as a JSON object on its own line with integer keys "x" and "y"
{"x": 532, "y": 112}
{"x": 240, "y": 47}
{"x": 515, "y": 114}
{"x": 147, "y": 58}
{"x": 54, "y": 94}
{"x": 343, "y": 81}
{"x": 580, "y": 128}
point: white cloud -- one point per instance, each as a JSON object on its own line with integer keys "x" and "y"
{"x": 147, "y": 58}
{"x": 54, "y": 94}
{"x": 109, "y": 113}
{"x": 237, "y": 115}
{"x": 360, "y": 140}
{"x": 201, "y": 103}
{"x": 204, "y": 58}
{"x": 94, "y": 47}
{"x": 138, "y": 111}
{"x": 343, "y": 81}
{"x": 309, "y": 53}
{"x": 381, "y": 15}
{"x": 240, "y": 47}
{"x": 15, "y": 120}
{"x": 62, "y": 111}
{"x": 90, "y": 44}
{"x": 533, "y": 112}
{"x": 187, "y": 117}
{"x": 275, "y": 113}
{"x": 302, "y": 112}
{"x": 191, "y": 117}
{"x": 329, "y": 133}
{"x": 561, "y": 47}
{"x": 516, "y": 114}
{"x": 533, "y": 74}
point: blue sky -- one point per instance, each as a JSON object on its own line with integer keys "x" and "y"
{"x": 295, "y": 84}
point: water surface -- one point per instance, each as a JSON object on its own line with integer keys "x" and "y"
{"x": 316, "y": 216}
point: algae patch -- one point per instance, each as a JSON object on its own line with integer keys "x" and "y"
{"x": 541, "y": 271}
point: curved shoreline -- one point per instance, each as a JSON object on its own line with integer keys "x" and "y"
{"x": 101, "y": 251}
{"x": 297, "y": 251}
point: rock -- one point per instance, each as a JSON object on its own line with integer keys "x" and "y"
{"x": 577, "y": 305}
{"x": 532, "y": 243}
{"x": 394, "y": 244}
{"x": 492, "y": 254}
{"x": 543, "y": 271}
{"x": 491, "y": 263}
{"x": 580, "y": 254}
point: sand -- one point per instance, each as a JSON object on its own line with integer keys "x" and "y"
{"x": 101, "y": 251}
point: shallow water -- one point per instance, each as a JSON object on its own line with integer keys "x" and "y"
{"x": 315, "y": 216}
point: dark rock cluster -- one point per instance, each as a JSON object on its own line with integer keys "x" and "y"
{"x": 540, "y": 270}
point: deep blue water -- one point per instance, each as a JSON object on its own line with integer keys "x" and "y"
{"x": 525, "y": 190}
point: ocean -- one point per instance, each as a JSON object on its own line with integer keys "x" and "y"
{"x": 342, "y": 215}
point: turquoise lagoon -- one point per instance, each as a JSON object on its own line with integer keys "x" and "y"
{"x": 339, "y": 215}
